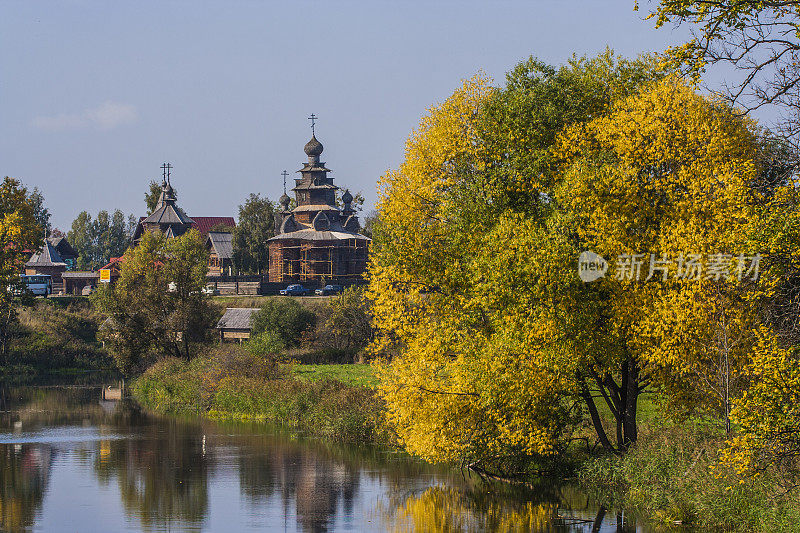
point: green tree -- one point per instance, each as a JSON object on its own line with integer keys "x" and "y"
{"x": 100, "y": 239}
{"x": 40, "y": 211}
{"x": 284, "y": 317}
{"x": 157, "y": 306}
{"x": 256, "y": 225}
{"x": 19, "y": 234}
{"x": 346, "y": 321}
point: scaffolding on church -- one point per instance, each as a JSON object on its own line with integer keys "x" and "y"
{"x": 317, "y": 261}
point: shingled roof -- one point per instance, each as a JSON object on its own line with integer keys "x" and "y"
{"x": 222, "y": 244}
{"x": 48, "y": 257}
{"x": 237, "y": 318}
{"x": 65, "y": 249}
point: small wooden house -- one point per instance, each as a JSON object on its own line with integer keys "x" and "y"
{"x": 220, "y": 248}
{"x": 48, "y": 262}
{"x": 235, "y": 323}
{"x": 76, "y": 281}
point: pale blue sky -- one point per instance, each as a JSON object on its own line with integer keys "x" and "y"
{"x": 94, "y": 96}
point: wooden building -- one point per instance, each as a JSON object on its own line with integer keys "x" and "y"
{"x": 173, "y": 221}
{"x": 77, "y": 281}
{"x": 68, "y": 254}
{"x": 220, "y": 248}
{"x": 317, "y": 241}
{"x": 167, "y": 218}
{"x": 235, "y": 323}
{"x": 48, "y": 262}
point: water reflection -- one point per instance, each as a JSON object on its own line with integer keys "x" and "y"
{"x": 161, "y": 472}
{"x": 24, "y": 471}
{"x": 64, "y": 450}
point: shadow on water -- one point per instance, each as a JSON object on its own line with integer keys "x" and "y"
{"x": 169, "y": 473}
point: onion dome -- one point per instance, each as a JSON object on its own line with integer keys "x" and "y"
{"x": 321, "y": 222}
{"x": 347, "y": 198}
{"x": 284, "y": 201}
{"x": 288, "y": 225}
{"x": 313, "y": 148}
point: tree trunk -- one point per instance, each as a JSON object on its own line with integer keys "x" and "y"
{"x": 631, "y": 397}
{"x": 596, "y": 421}
{"x": 622, "y": 400}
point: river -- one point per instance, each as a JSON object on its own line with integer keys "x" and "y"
{"x": 71, "y": 461}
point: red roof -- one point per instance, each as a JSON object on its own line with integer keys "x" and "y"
{"x": 204, "y": 224}
{"x": 113, "y": 264}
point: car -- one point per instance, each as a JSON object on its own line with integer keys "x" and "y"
{"x": 328, "y": 290}
{"x": 293, "y": 290}
{"x": 210, "y": 290}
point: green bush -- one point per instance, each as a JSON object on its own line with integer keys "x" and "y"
{"x": 284, "y": 317}
{"x": 266, "y": 345}
{"x": 345, "y": 323}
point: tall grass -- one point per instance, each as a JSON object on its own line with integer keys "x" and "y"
{"x": 229, "y": 382}
{"x": 673, "y": 475}
{"x": 56, "y": 335}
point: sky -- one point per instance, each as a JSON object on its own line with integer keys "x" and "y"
{"x": 95, "y": 96}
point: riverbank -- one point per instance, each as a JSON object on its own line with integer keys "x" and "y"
{"x": 228, "y": 382}
{"x": 55, "y": 336}
{"x": 674, "y": 476}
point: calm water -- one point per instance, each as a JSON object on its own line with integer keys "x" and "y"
{"x": 72, "y": 462}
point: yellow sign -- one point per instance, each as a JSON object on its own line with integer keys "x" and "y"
{"x": 105, "y": 275}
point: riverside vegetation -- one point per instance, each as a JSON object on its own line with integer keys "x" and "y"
{"x": 56, "y": 335}
{"x": 260, "y": 380}
{"x": 499, "y": 358}
{"x": 162, "y": 330}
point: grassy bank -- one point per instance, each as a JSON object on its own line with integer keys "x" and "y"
{"x": 673, "y": 475}
{"x": 55, "y": 335}
{"x": 229, "y": 383}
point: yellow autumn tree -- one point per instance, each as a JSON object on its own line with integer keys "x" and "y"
{"x": 19, "y": 236}
{"x": 496, "y": 349}
{"x": 473, "y": 279}
{"x": 666, "y": 177}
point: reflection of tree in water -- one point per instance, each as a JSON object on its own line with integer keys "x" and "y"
{"x": 449, "y": 508}
{"x": 162, "y": 475}
{"x": 312, "y": 478}
{"x": 36, "y": 407}
{"x": 24, "y": 471}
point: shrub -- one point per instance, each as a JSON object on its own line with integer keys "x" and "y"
{"x": 346, "y": 325}
{"x": 284, "y": 317}
{"x": 267, "y": 345}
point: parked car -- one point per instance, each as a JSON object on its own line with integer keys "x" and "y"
{"x": 328, "y": 290}
{"x": 293, "y": 290}
{"x": 209, "y": 290}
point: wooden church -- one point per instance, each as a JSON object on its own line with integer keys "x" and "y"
{"x": 317, "y": 241}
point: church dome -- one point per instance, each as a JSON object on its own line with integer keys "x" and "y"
{"x": 347, "y": 197}
{"x": 313, "y": 147}
{"x": 284, "y": 201}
